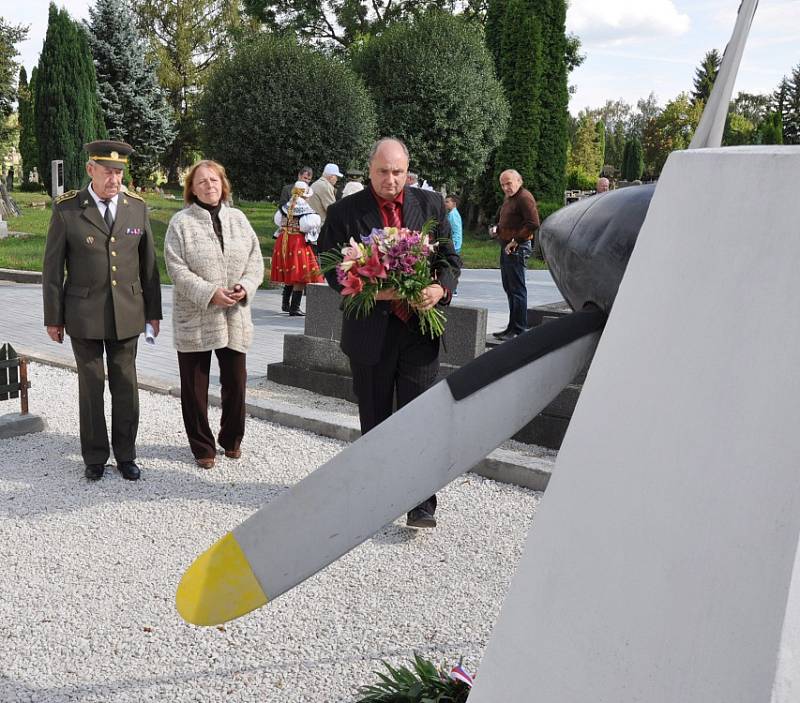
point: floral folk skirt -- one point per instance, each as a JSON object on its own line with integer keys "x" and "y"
{"x": 293, "y": 260}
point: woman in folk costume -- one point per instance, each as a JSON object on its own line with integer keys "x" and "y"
{"x": 293, "y": 260}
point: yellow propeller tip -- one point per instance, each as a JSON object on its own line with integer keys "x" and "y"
{"x": 219, "y": 586}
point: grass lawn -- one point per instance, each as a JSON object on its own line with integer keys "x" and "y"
{"x": 25, "y": 253}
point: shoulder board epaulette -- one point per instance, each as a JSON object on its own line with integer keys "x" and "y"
{"x": 66, "y": 196}
{"x": 131, "y": 194}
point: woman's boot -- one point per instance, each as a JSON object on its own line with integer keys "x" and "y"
{"x": 294, "y": 305}
{"x": 287, "y": 294}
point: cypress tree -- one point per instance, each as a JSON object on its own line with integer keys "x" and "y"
{"x": 28, "y": 149}
{"x": 551, "y": 158}
{"x": 66, "y": 107}
{"x": 600, "y": 128}
{"x": 514, "y": 38}
{"x": 632, "y": 160}
{"x": 10, "y": 36}
{"x": 493, "y": 32}
{"x": 134, "y": 106}
{"x": 615, "y": 145}
{"x": 520, "y": 69}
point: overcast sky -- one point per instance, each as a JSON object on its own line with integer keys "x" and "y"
{"x": 632, "y": 47}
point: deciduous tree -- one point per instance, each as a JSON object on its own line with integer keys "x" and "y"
{"x": 585, "y": 154}
{"x": 186, "y": 37}
{"x": 10, "y": 36}
{"x": 672, "y": 129}
{"x": 338, "y": 24}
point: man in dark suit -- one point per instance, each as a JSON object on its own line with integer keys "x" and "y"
{"x": 102, "y": 236}
{"x": 306, "y": 173}
{"x": 388, "y": 354}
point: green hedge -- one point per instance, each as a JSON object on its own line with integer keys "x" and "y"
{"x": 434, "y": 87}
{"x": 275, "y": 106}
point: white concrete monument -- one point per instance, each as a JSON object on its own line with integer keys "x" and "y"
{"x": 57, "y": 178}
{"x": 660, "y": 563}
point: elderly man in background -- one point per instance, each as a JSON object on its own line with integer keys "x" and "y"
{"x": 101, "y": 235}
{"x": 389, "y": 355}
{"x": 353, "y": 185}
{"x": 518, "y": 222}
{"x": 602, "y": 185}
{"x": 324, "y": 190}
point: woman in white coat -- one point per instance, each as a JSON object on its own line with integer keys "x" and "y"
{"x": 214, "y": 259}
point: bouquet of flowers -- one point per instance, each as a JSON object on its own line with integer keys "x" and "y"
{"x": 387, "y": 258}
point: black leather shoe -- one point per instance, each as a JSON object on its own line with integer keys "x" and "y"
{"x": 500, "y": 335}
{"x": 129, "y": 470}
{"x": 507, "y": 336}
{"x": 94, "y": 472}
{"x": 296, "y": 313}
{"x": 419, "y": 517}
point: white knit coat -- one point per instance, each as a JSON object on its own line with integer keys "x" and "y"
{"x": 198, "y": 265}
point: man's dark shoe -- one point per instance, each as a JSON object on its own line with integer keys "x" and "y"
{"x": 507, "y": 336}
{"x": 94, "y": 472}
{"x": 129, "y": 470}
{"x": 419, "y": 517}
{"x": 500, "y": 335}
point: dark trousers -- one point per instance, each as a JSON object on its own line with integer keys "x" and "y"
{"x": 121, "y": 362}
{"x": 407, "y": 367}
{"x": 512, "y": 274}
{"x": 194, "y": 369}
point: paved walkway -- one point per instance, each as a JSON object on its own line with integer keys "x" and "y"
{"x": 21, "y": 321}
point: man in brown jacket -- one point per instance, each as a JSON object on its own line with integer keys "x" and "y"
{"x": 517, "y": 224}
{"x": 101, "y": 235}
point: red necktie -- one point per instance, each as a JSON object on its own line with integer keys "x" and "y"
{"x": 391, "y": 212}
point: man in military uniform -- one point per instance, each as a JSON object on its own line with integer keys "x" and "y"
{"x": 101, "y": 235}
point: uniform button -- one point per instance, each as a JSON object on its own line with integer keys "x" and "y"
{"x": 113, "y": 268}
{"x": 113, "y": 239}
{"x": 113, "y": 253}
{"x": 113, "y": 283}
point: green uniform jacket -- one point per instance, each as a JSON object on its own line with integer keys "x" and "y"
{"x": 112, "y": 284}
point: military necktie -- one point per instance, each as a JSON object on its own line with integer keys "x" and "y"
{"x": 107, "y": 216}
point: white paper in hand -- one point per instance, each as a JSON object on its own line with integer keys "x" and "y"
{"x": 149, "y": 334}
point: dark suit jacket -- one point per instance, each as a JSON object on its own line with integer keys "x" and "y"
{"x": 357, "y": 215}
{"x": 286, "y": 193}
{"x": 112, "y": 284}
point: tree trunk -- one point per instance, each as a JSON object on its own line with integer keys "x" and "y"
{"x": 8, "y": 208}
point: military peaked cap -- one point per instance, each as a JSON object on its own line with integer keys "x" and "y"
{"x": 109, "y": 153}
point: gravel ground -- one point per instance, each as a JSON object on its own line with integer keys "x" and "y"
{"x": 90, "y": 569}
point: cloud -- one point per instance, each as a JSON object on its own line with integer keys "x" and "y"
{"x": 617, "y": 22}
